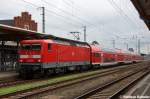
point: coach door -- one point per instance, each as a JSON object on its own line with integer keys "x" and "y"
{"x": 85, "y": 58}
{"x": 58, "y": 52}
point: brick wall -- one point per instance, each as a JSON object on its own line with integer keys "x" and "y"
{"x": 25, "y": 21}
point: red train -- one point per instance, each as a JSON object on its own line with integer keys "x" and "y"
{"x": 49, "y": 56}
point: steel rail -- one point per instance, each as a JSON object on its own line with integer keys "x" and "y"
{"x": 119, "y": 92}
{"x": 98, "y": 89}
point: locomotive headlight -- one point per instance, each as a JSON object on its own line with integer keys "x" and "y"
{"x": 36, "y": 56}
{"x": 20, "y": 60}
{"x": 24, "y": 56}
{"x": 39, "y": 60}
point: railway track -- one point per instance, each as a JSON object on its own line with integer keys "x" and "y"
{"x": 10, "y": 83}
{"x": 57, "y": 86}
{"x": 112, "y": 89}
{"x": 21, "y": 81}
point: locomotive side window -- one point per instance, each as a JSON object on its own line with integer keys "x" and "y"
{"x": 49, "y": 46}
{"x": 36, "y": 47}
{"x": 96, "y": 54}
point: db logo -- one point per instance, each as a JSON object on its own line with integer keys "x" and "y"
{"x": 72, "y": 53}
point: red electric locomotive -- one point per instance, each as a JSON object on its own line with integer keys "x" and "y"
{"x": 43, "y": 56}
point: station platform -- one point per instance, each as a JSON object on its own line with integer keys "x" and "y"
{"x": 141, "y": 90}
{"x": 8, "y": 75}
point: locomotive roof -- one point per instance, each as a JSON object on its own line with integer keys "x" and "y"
{"x": 55, "y": 41}
{"x": 34, "y": 41}
{"x": 47, "y": 36}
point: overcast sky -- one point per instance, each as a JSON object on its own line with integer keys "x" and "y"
{"x": 106, "y": 20}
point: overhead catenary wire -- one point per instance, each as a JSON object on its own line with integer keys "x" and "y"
{"x": 54, "y": 13}
{"x": 83, "y": 21}
{"x": 126, "y": 20}
{"x": 122, "y": 13}
{"x": 72, "y": 2}
{"x": 60, "y": 28}
{"x": 78, "y": 7}
{"x": 118, "y": 11}
{"x": 62, "y": 11}
{"x": 77, "y": 17}
{"x": 38, "y": 6}
{"x": 134, "y": 16}
{"x": 68, "y": 13}
{"x": 71, "y": 22}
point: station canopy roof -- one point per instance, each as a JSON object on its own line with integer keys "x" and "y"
{"x": 143, "y": 7}
{"x": 10, "y": 33}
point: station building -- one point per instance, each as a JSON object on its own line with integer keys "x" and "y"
{"x": 11, "y": 32}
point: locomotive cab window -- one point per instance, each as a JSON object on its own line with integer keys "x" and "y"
{"x": 36, "y": 47}
{"x": 49, "y": 46}
{"x": 31, "y": 47}
{"x": 25, "y": 46}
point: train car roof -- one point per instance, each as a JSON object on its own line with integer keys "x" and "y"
{"x": 109, "y": 50}
{"x": 95, "y": 48}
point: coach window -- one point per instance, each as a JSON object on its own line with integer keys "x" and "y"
{"x": 49, "y": 46}
{"x": 96, "y": 54}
